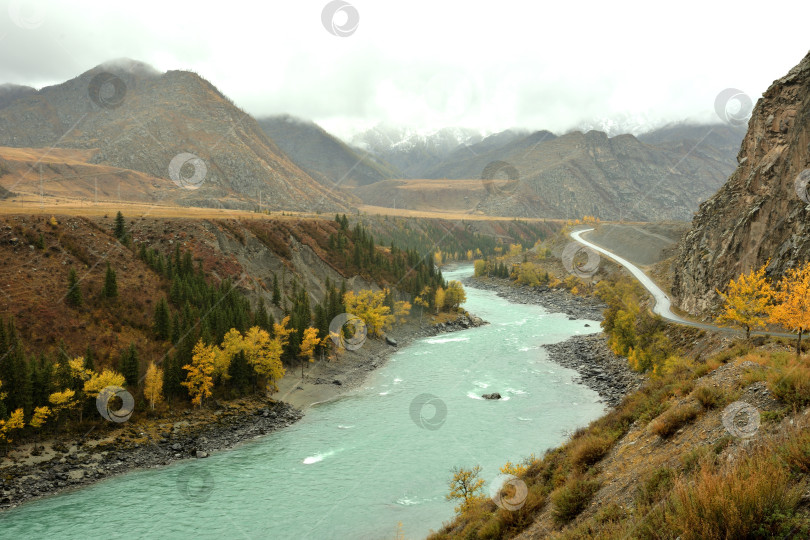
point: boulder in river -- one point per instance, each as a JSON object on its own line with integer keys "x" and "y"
{"x": 494, "y": 395}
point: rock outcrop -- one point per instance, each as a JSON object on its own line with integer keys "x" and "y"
{"x": 763, "y": 211}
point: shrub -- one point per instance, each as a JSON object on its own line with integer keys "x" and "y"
{"x": 795, "y": 450}
{"x": 572, "y": 498}
{"x": 753, "y": 498}
{"x": 655, "y": 486}
{"x": 588, "y": 449}
{"x": 709, "y": 396}
{"x": 792, "y": 385}
{"x": 672, "y": 420}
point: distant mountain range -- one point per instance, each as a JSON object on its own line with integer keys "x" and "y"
{"x": 133, "y": 122}
{"x": 663, "y": 174}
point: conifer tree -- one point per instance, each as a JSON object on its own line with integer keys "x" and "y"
{"x": 74, "y": 294}
{"x": 128, "y": 365}
{"x": 120, "y": 226}
{"x": 162, "y": 324}
{"x": 89, "y": 359}
{"x": 276, "y": 291}
{"x": 110, "y": 289}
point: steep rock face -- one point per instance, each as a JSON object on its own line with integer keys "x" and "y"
{"x": 758, "y": 214}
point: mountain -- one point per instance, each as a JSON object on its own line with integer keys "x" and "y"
{"x": 411, "y": 152}
{"x": 449, "y": 166}
{"x": 570, "y": 176}
{"x": 324, "y": 157}
{"x": 174, "y": 124}
{"x": 718, "y": 142}
{"x": 469, "y": 161}
{"x": 11, "y": 92}
{"x": 763, "y": 211}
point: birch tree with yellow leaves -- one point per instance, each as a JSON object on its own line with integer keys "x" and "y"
{"x": 747, "y": 301}
{"x": 370, "y": 307}
{"x": 200, "y": 379}
{"x": 792, "y": 303}
{"x": 153, "y": 385}
{"x": 308, "y": 344}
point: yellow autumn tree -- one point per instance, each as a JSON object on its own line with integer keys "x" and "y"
{"x": 232, "y": 344}
{"x": 199, "y": 380}
{"x": 401, "y": 311}
{"x": 746, "y": 302}
{"x": 308, "y": 344}
{"x": 454, "y": 295}
{"x": 369, "y": 306}
{"x": 153, "y": 385}
{"x": 13, "y": 422}
{"x": 423, "y": 301}
{"x": 792, "y": 302}
{"x": 438, "y": 300}
{"x": 99, "y": 381}
{"x": 40, "y": 416}
{"x": 465, "y": 486}
{"x": 264, "y": 353}
{"x": 63, "y": 401}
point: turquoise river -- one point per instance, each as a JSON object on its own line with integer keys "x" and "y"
{"x": 357, "y": 466}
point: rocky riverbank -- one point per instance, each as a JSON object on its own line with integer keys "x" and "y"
{"x": 556, "y": 300}
{"x": 598, "y": 367}
{"x": 39, "y": 469}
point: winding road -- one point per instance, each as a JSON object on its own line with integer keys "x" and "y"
{"x": 663, "y": 305}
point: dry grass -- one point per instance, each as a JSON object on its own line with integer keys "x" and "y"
{"x": 672, "y": 420}
{"x": 709, "y": 397}
{"x": 572, "y": 498}
{"x": 588, "y": 449}
{"x": 791, "y": 384}
{"x": 754, "y": 498}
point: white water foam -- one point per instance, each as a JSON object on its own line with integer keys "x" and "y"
{"x": 317, "y": 457}
{"x": 446, "y": 340}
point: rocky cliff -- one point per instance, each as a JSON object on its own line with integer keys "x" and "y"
{"x": 763, "y": 211}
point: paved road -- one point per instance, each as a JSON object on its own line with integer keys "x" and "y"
{"x": 663, "y": 305}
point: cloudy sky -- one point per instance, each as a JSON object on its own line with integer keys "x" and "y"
{"x": 426, "y": 64}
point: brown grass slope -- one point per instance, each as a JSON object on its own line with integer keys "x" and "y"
{"x": 663, "y": 464}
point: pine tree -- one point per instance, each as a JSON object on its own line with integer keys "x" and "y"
{"x": 74, "y": 294}
{"x": 240, "y": 373}
{"x": 276, "y": 290}
{"x": 128, "y": 365}
{"x": 120, "y": 226}
{"x": 172, "y": 377}
{"x": 262, "y": 319}
{"x": 15, "y": 373}
{"x": 110, "y": 285}
{"x": 41, "y": 380}
{"x": 89, "y": 359}
{"x": 162, "y": 324}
